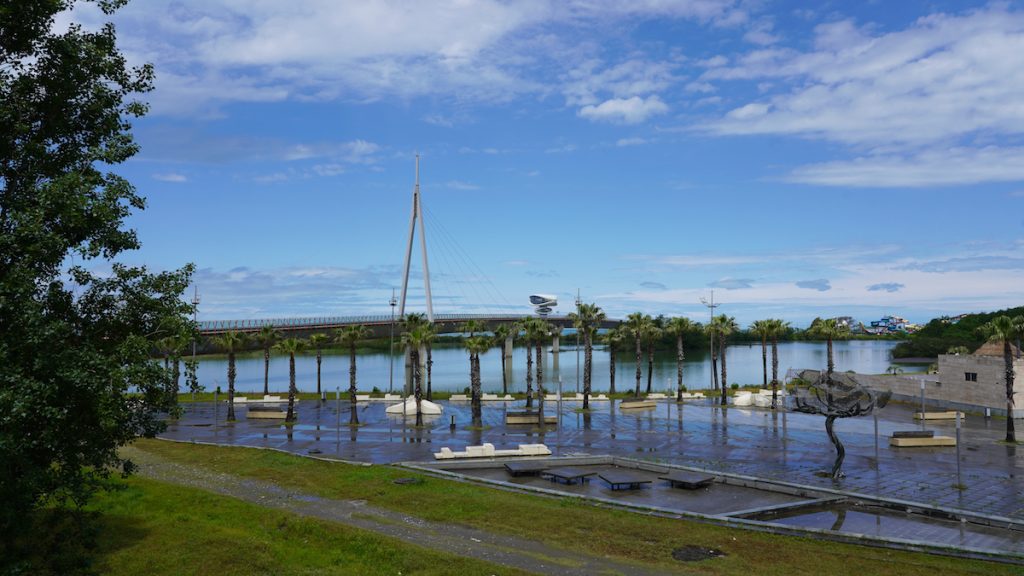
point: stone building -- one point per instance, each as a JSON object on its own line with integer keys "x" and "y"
{"x": 979, "y": 379}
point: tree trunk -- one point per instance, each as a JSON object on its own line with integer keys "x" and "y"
{"x": 775, "y": 372}
{"x": 352, "y": 374}
{"x": 1011, "y": 435}
{"x": 831, "y": 364}
{"x": 639, "y": 359}
{"x": 650, "y": 364}
{"x": 474, "y": 380}
{"x": 725, "y": 374}
{"x": 611, "y": 368}
{"x": 529, "y": 374}
{"x": 764, "y": 360}
{"x": 430, "y": 370}
{"x": 587, "y": 365}
{"x": 714, "y": 366}
{"x": 680, "y": 356}
{"x": 540, "y": 370}
{"x": 417, "y": 378}
{"x": 840, "y": 451}
{"x": 231, "y": 386}
{"x": 290, "y": 417}
{"x": 266, "y": 370}
{"x": 504, "y": 374}
{"x": 319, "y": 358}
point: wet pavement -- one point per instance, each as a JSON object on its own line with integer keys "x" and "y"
{"x": 782, "y": 446}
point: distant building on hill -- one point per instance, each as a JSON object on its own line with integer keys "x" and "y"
{"x": 891, "y": 325}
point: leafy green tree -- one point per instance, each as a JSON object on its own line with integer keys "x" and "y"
{"x": 231, "y": 342}
{"x": 473, "y": 326}
{"x": 192, "y": 378}
{"x": 266, "y": 337}
{"x": 1003, "y": 329}
{"x": 724, "y": 326}
{"x": 76, "y": 376}
{"x": 587, "y": 319}
{"x": 350, "y": 337}
{"x": 762, "y": 329}
{"x": 476, "y": 346}
{"x": 317, "y": 341}
{"x": 679, "y": 327}
{"x": 291, "y": 347}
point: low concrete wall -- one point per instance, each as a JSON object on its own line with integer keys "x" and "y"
{"x": 949, "y": 389}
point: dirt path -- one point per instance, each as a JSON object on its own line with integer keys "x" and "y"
{"x": 511, "y": 551}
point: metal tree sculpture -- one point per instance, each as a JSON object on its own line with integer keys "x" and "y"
{"x": 838, "y": 397}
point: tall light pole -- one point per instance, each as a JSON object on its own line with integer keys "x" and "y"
{"x": 578, "y": 302}
{"x": 711, "y": 335}
{"x": 391, "y": 357}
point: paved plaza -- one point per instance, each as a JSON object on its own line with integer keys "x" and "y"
{"x": 784, "y": 446}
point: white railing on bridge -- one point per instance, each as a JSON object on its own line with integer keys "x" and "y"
{"x": 327, "y": 321}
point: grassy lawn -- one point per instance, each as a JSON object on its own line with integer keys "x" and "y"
{"x": 153, "y": 528}
{"x": 567, "y": 523}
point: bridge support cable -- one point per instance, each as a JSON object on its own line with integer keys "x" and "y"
{"x": 417, "y": 215}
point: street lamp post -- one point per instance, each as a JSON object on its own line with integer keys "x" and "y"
{"x": 391, "y": 357}
{"x": 711, "y": 335}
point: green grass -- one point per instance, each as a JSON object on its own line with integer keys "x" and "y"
{"x": 154, "y": 528}
{"x": 567, "y": 523}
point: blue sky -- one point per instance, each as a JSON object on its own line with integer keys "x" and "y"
{"x": 800, "y": 159}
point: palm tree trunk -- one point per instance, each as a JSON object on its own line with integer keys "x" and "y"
{"x": 319, "y": 357}
{"x": 650, "y": 363}
{"x": 352, "y": 374}
{"x": 266, "y": 371}
{"x": 611, "y": 368}
{"x": 290, "y": 417}
{"x": 764, "y": 360}
{"x": 474, "y": 379}
{"x": 504, "y": 375}
{"x": 417, "y": 377}
{"x": 430, "y": 370}
{"x": 714, "y": 367}
{"x": 725, "y": 374}
{"x": 831, "y": 363}
{"x": 587, "y": 365}
{"x": 540, "y": 369}
{"x": 639, "y": 359}
{"x": 1011, "y": 435}
{"x": 679, "y": 367}
{"x": 231, "y": 386}
{"x": 529, "y": 374}
{"x": 775, "y": 372}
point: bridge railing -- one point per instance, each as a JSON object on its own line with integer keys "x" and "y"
{"x": 322, "y": 321}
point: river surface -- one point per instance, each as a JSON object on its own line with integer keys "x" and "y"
{"x": 451, "y": 367}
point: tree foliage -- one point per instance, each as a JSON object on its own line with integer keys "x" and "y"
{"x": 76, "y": 378}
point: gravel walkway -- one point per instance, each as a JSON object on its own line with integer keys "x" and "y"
{"x": 523, "y": 554}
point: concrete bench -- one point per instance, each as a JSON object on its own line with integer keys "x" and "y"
{"x": 688, "y": 480}
{"x": 529, "y": 417}
{"x": 458, "y": 398}
{"x": 621, "y": 479}
{"x": 945, "y": 415}
{"x": 913, "y": 434}
{"x": 656, "y": 396}
{"x": 265, "y": 413}
{"x": 935, "y": 441}
{"x": 637, "y": 404}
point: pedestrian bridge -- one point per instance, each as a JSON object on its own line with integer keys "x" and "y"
{"x": 380, "y": 325}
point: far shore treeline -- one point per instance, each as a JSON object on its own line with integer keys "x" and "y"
{"x": 944, "y": 333}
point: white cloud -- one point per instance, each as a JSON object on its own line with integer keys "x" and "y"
{"x": 633, "y": 141}
{"x": 940, "y": 167}
{"x": 170, "y": 177}
{"x": 460, "y": 185}
{"x": 625, "y": 111}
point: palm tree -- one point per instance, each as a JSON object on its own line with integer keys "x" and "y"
{"x": 587, "y": 319}
{"x": 534, "y": 330}
{"x": 1018, "y": 324}
{"x": 762, "y": 328}
{"x": 679, "y": 327}
{"x": 501, "y": 333}
{"x": 476, "y": 346}
{"x": 231, "y": 342}
{"x": 724, "y": 327}
{"x": 473, "y": 326}
{"x": 429, "y": 335}
{"x": 414, "y": 338}
{"x": 291, "y": 346}
{"x": 614, "y": 337}
{"x": 317, "y": 341}
{"x": 266, "y": 338}
{"x": 1004, "y": 329}
{"x": 350, "y": 337}
{"x": 636, "y": 326}
{"x": 777, "y": 327}
{"x": 828, "y": 329}
{"x": 543, "y": 332}
{"x": 651, "y": 335}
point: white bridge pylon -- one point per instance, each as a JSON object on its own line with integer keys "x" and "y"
{"x": 417, "y": 215}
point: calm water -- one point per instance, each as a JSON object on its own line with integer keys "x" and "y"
{"x": 451, "y": 367}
